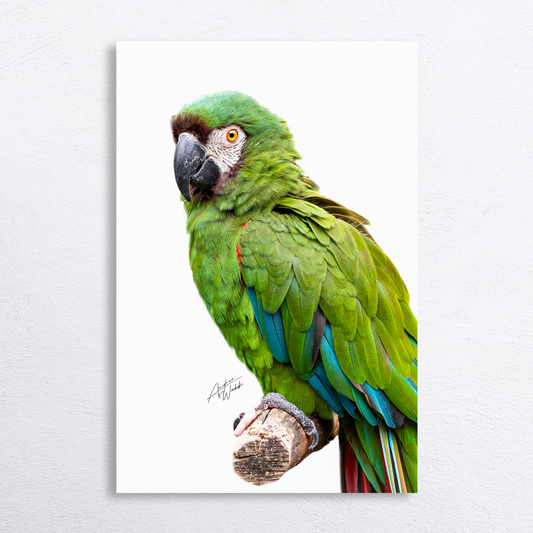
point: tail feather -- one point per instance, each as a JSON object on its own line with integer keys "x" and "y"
{"x": 349, "y": 467}
{"x": 407, "y": 443}
{"x": 393, "y": 460}
{"x": 353, "y": 479}
{"x": 378, "y": 459}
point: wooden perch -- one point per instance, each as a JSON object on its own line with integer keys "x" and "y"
{"x": 274, "y": 443}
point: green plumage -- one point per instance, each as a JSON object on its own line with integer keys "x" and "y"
{"x": 269, "y": 229}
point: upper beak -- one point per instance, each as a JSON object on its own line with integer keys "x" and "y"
{"x": 192, "y": 167}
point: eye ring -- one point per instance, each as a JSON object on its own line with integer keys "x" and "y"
{"x": 232, "y": 135}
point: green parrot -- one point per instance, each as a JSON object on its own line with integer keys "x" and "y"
{"x": 299, "y": 289}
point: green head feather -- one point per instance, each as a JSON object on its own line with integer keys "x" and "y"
{"x": 231, "y": 107}
{"x": 269, "y": 169}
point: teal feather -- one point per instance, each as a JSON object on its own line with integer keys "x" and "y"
{"x": 332, "y": 367}
{"x": 363, "y": 407}
{"x": 349, "y": 406}
{"x": 271, "y": 327}
{"x": 379, "y": 401}
{"x": 319, "y": 381}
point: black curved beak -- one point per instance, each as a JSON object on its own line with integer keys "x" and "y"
{"x": 191, "y": 167}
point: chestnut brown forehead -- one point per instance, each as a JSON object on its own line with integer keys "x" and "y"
{"x": 191, "y": 124}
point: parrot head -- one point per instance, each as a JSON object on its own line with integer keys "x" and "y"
{"x": 232, "y": 150}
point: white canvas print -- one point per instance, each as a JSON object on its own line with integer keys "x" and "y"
{"x": 351, "y": 110}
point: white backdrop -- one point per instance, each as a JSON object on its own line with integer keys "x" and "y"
{"x": 57, "y": 283}
{"x": 352, "y": 110}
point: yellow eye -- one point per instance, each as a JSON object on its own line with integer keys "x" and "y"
{"x": 232, "y": 135}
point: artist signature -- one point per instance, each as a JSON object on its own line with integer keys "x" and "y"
{"x": 224, "y": 391}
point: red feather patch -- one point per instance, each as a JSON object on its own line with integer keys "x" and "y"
{"x": 388, "y": 487}
{"x": 239, "y": 258}
{"x": 351, "y": 469}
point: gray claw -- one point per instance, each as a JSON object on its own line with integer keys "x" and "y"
{"x": 315, "y": 436}
{"x": 274, "y": 399}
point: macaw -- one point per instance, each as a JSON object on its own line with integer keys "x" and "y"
{"x": 299, "y": 288}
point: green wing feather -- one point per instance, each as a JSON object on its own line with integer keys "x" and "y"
{"x": 312, "y": 252}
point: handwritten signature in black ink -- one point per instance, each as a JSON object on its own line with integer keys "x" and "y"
{"x": 224, "y": 391}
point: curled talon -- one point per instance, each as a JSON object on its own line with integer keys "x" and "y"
{"x": 276, "y": 400}
{"x": 314, "y": 432}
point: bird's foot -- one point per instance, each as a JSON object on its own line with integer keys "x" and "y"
{"x": 274, "y": 399}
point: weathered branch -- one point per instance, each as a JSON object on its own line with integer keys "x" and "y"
{"x": 274, "y": 443}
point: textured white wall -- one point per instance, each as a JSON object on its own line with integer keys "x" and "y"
{"x": 57, "y": 215}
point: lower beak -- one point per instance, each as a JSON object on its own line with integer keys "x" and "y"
{"x": 191, "y": 167}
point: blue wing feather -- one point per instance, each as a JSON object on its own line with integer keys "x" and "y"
{"x": 328, "y": 379}
{"x": 379, "y": 401}
{"x": 349, "y": 406}
{"x": 363, "y": 407}
{"x": 319, "y": 381}
{"x": 271, "y": 326}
